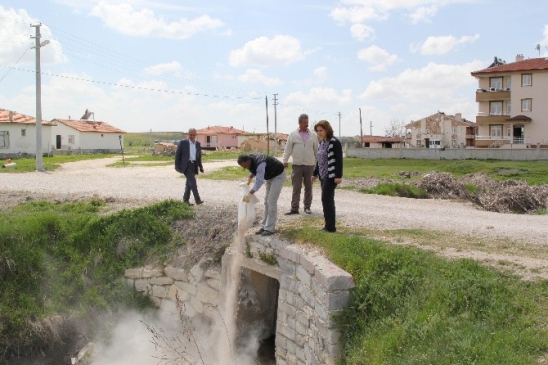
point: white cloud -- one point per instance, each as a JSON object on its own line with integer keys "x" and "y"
{"x": 320, "y": 73}
{"x": 423, "y": 13}
{"x": 127, "y": 20}
{"x": 256, "y": 76}
{"x": 320, "y": 96}
{"x": 434, "y": 84}
{"x": 443, "y": 44}
{"x": 357, "y": 11}
{"x": 377, "y": 57}
{"x": 163, "y": 68}
{"x": 262, "y": 51}
{"x": 544, "y": 42}
{"x": 362, "y": 32}
{"x": 15, "y": 40}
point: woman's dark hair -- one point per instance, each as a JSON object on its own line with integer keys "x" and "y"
{"x": 243, "y": 158}
{"x": 326, "y": 127}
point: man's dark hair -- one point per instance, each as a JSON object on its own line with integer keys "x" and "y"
{"x": 243, "y": 158}
{"x": 302, "y": 116}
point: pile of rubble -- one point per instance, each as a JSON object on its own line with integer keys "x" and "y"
{"x": 510, "y": 196}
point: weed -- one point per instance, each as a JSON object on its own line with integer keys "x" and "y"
{"x": 267, "y": 258}
{"x": 401, "y": 190}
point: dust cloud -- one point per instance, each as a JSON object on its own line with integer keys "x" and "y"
{"x": 167, "y": 337}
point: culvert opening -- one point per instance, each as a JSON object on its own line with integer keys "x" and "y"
{"x": 257, "y": 314}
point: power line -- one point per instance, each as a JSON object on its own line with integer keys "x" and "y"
{"x": 16, "y": 62}
{"x": 131, "y": 86}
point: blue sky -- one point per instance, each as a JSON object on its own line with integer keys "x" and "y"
{"x": 168, "y": 65}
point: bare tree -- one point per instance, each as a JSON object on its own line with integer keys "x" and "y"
{"x": 396, "y": 128}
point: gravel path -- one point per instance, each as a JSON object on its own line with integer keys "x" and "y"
{"x": 142, "y": 184}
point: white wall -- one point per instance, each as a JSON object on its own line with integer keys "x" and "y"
{"x": 27, "y": 143}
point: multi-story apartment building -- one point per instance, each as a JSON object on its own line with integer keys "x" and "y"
{"x": 513, "y": 104}
{"x": 441, "y": 131}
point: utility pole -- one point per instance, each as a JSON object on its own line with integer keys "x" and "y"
{"x": 361, "y": 129}
{"x": 339, "y": 125}
{"x": 275, "y": 126}
{"x": 267, "y": 131}
{"x": 38, "y": 97}
{"x": 371, "y": 128}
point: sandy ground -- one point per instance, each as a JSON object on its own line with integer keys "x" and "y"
{"x": 138, "y": 185}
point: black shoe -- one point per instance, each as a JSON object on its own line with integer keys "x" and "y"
{"x": 200, "y": 202}
{"x": 267, "y": 233}
{"x": 292, "y": 212}
{"x": 187, "y": 202}
{"x": 328, "y": 230}
{"x": 260, "y": 231}
{"x": 307, "y": 211}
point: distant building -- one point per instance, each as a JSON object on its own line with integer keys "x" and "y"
{"x": 441, "y": 131}
{"x": 86, "y": 136}
{"x": 18, "y": 134}
{"x": 383, "y": 142}
{"x": 512, "y": 104}
{"x": 218, "y": 137}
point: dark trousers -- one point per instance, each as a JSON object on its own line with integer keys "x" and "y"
{"x": 190, "y": 174}
{"x": 300, "y": 176}
{"x": 328, "y": 203}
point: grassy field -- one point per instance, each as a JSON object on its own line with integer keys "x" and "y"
{"x": 534, "y": 172}
{"x": 412, "y": 307}
{"x": 48, "y": 163}
{"x": 69, "y": 259}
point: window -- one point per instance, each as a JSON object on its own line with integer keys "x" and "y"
{"x": 526, "y": 80}
{"x": 495, "y": 130}
{"x": 23, "y": 132}
{"x": 71, "y": 139}
{"x": 496, "y": 83}
{"x": 526, "y": 105}
{"x": 455, "y": 130}
{"x": 4, "y": 139}
{"x": 508, "y": 108}
{"x": 495, "y": 108}
{"x": 508, "y": 131}
{"x": 418, "y": 142}
{"x": 509, "y": 83}
{"x": 454, "y": 143}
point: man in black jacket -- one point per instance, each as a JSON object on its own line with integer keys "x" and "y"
{"x": 188, "y": 159}
{"x": 268, "y": 170}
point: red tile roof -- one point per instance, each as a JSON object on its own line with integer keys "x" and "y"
{"x": 214, "y": 130}
{"x": 19, "y": 118}
{"x": 531, "y": 64}
{"x": 89, "y": 126}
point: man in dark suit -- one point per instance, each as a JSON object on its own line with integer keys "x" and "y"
{"x": 188, "y": 159}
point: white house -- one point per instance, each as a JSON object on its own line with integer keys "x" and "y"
{"x": 86, "y": 136}
{"x": 18, "y": 134}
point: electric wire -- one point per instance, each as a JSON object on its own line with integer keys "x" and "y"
{"x": 16, "y": 62}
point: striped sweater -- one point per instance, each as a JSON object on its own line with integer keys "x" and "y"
{"x": 334, "y": 159}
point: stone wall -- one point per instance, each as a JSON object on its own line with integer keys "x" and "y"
{"x": 310, "y": 290}
{"x": 528, "y": 154}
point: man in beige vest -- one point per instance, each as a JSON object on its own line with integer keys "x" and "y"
{"x": 302, "y": 145}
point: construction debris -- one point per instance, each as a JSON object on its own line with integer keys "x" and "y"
{"x": 444, "y": 186}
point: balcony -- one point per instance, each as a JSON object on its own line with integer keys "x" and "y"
{"x": 491, "y": 141}
{"x": 483, "y": 118}
{"x": 492, "y": 94}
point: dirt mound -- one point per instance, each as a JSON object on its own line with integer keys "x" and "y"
{"x": 207, "y": 235}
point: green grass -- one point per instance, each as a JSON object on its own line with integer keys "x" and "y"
{"x": 534, "y": 172}
{"x": 401, "y": 190}
{"x": 68, "y": 259}
{"x": 412, "y": 307}
{"x": 48, "y": 163}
